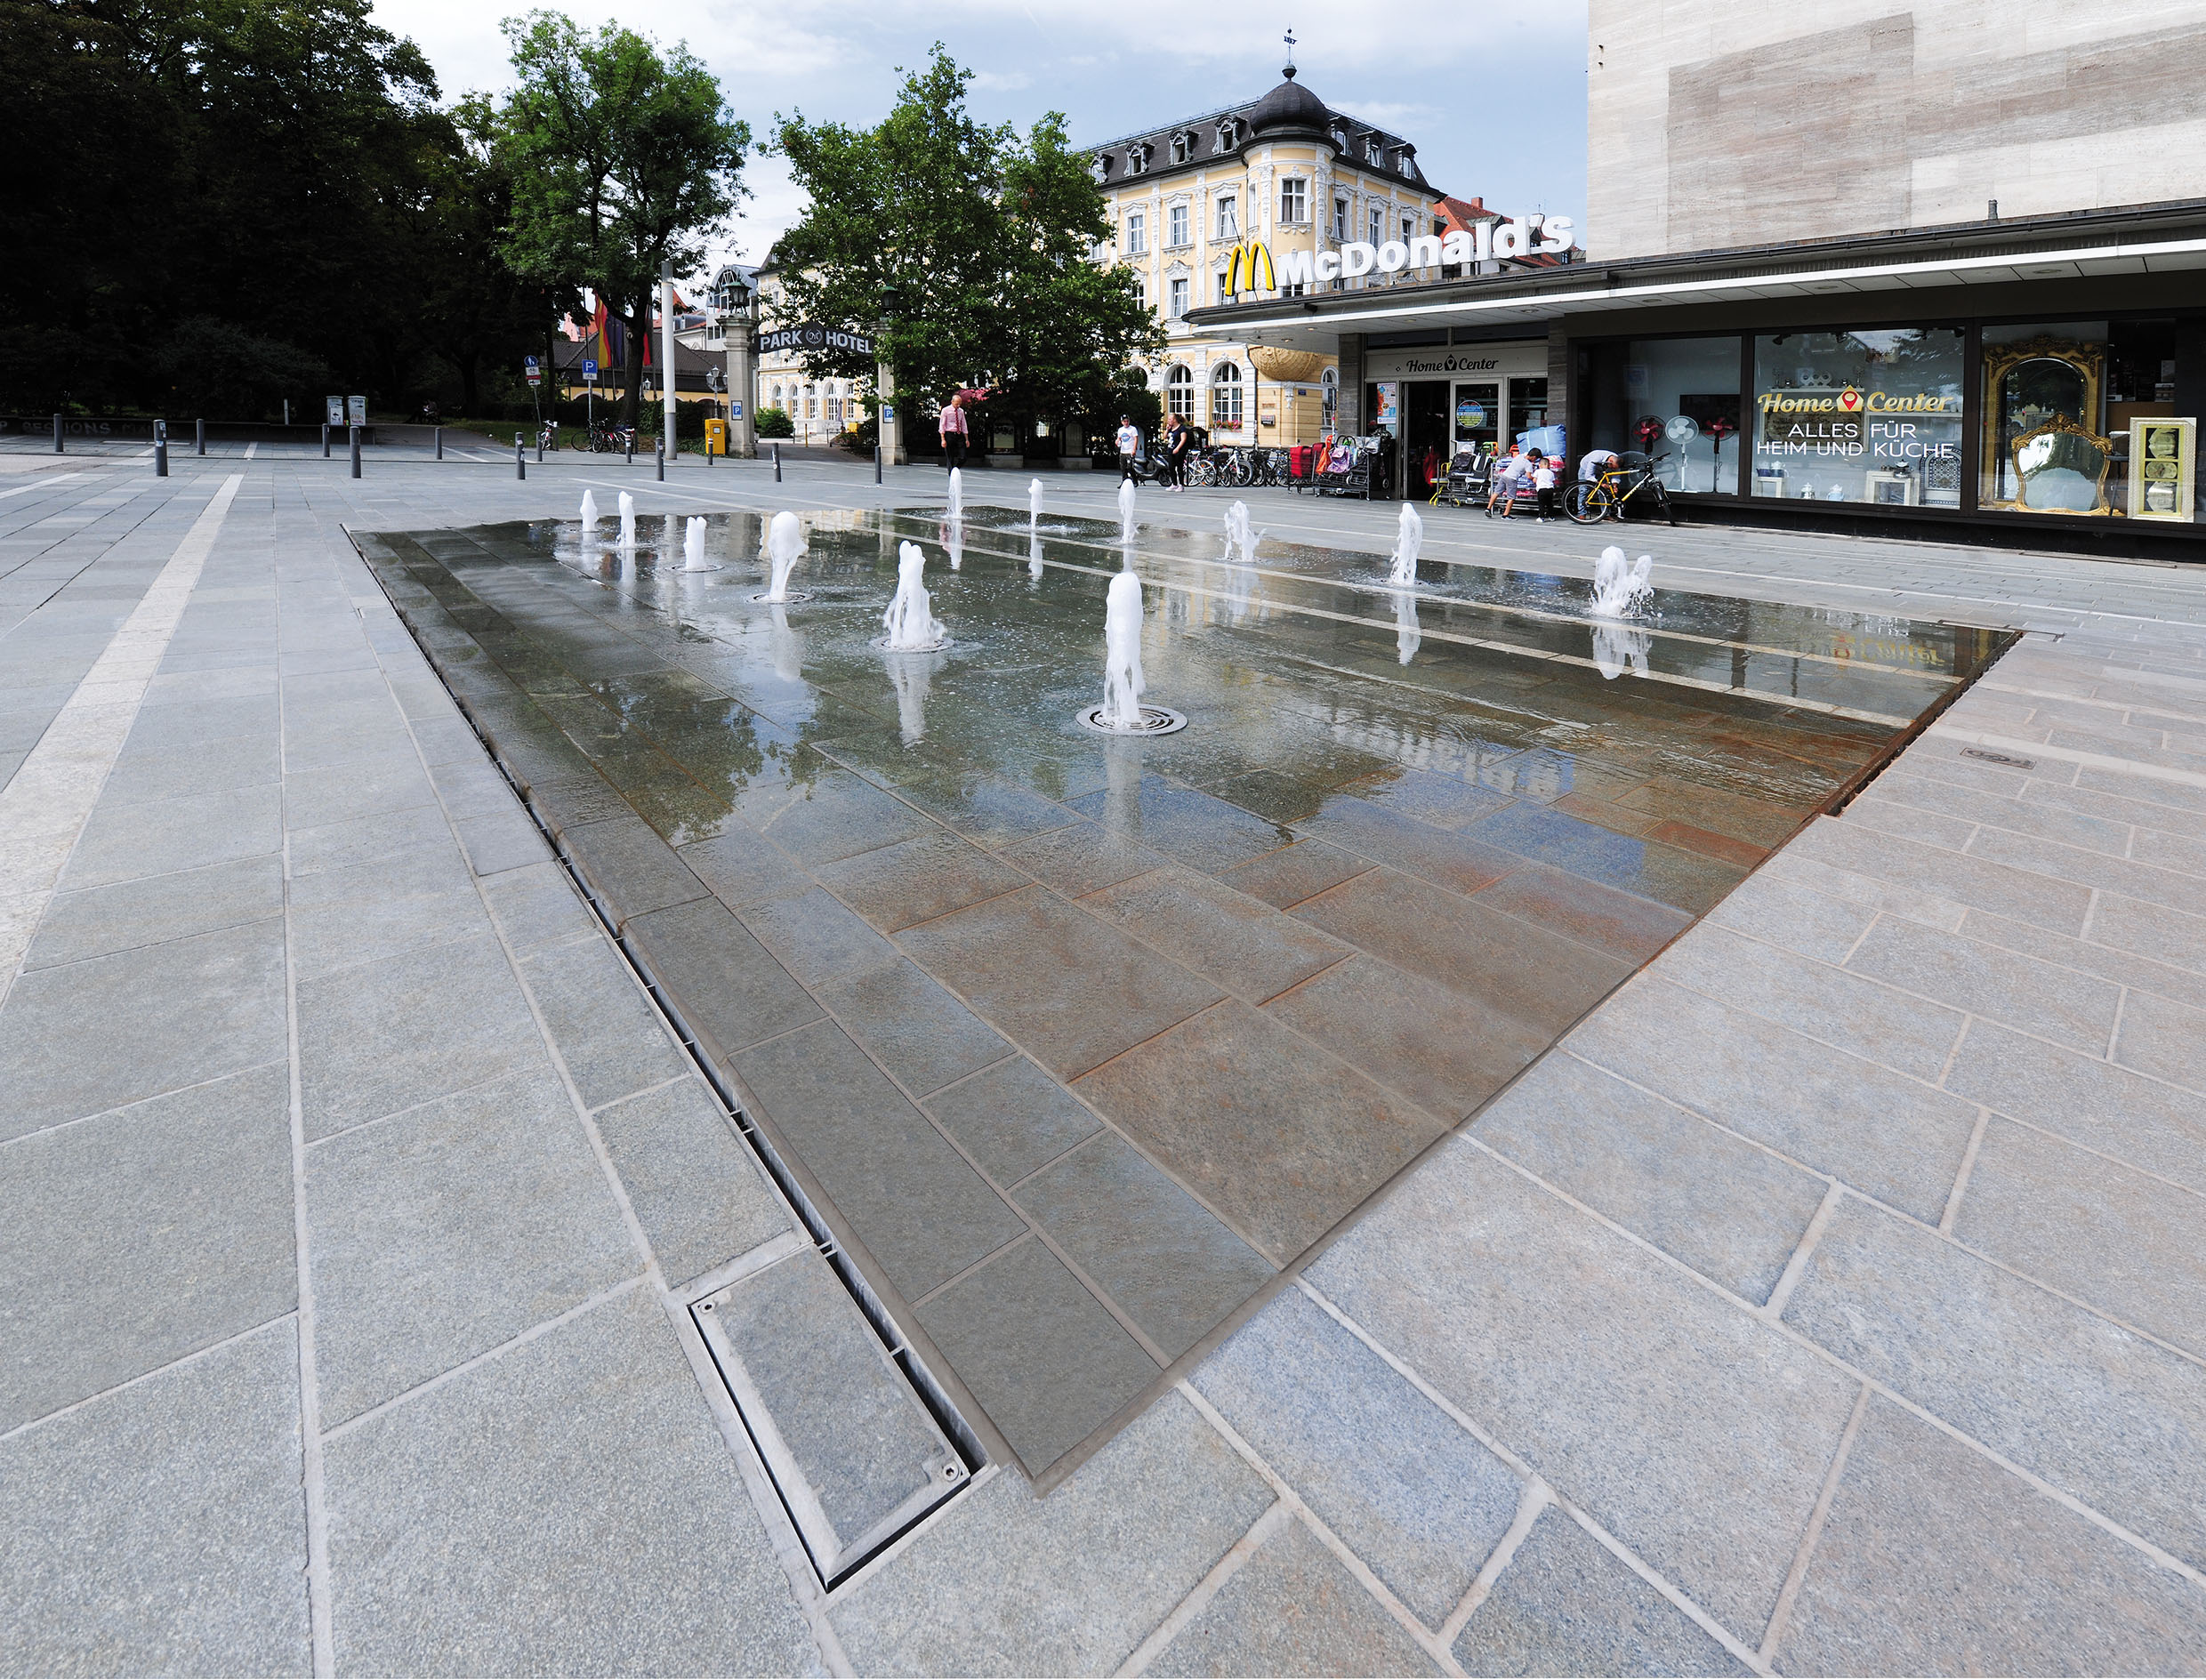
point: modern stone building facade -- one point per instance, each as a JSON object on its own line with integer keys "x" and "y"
{"x": 1721, "y": 123}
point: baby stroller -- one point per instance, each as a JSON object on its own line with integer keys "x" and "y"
{"x": 1465, "y": 485}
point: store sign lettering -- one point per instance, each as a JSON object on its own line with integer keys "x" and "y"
{"x": 1833, "y": 421}
{"x": 1485, "y": 243}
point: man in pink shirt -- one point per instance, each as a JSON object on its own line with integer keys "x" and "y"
{"x": 953, "y": 433}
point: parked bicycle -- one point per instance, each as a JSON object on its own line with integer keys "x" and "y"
{"x": 608, "y": 440}
{"x": 1633, "y": 475}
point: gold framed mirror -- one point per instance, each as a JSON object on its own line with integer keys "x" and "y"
{"x": 2028, "y": 385}
{"x": 2060, "y": 468}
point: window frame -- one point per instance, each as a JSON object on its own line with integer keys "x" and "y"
{"x": 1297, "y": 188}
{"x": 1177, "y": 222}
{"x": 1229, "y": 216}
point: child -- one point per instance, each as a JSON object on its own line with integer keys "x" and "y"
{"x": 1543, "y": 482}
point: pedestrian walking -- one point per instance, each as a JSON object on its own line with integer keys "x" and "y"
{"x": 1178, "y": 441}
{"x": 953, "y": 432}
{"x": 1128, "y": 450}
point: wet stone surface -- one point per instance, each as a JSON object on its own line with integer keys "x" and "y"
{"x": 1405, "y": 842}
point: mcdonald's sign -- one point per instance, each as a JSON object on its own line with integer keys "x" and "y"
{"x": 1250, "y": 270}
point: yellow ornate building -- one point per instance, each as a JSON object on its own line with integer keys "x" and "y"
{"x": 1285, "y": 182}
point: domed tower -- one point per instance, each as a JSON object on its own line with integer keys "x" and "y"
{"x": 1289, "y": 111}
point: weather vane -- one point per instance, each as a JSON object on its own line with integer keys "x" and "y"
{"x": 1289, "y": 38}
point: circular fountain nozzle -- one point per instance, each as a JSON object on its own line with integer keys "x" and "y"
{"x": 1154, "y": 720}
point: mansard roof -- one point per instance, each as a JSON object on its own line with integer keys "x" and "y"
{"x": 1288, "y": 110}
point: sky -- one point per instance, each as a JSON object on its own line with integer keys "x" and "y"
{"x": 1492, "y": 96}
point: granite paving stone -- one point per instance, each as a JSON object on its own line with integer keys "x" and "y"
{"x": 199, "y": 1008}
{"x": 1732, "y": 1213}
{"x": 1239, "y": 944}
{"x": 384, "y": 1036}
{"x": 362, "y": 912}
{"x": 143, "y": 1236}
{"x": 97, "y": 1578}
{"x": 1171, "y": 1266}
{"x": 741, "y": 869}
{"x": 2160, "y": 1128}
{"x": 1286, "y": 877}
{"x": 2151, "y": 931}
{"x": 2088, "y": 956}
{"x": 696, "y": 1187}
{"x": 1044, "y": 1358}
{"x": 2164, "y": 1039}
{"x": 127, "y": 843}
{"x": 1834, "y": 1005}
{"x": 388, "y": 782}
{"x": 629, "y": 867}
{"x": 1977, "y": 881}
{"x": 1893, "y": 1138}
{"x": 101, "y": 920}
{"x": 919, "y": 1207}
{"x": 187, "y": 769}
{"x": 1935, "y": 1560}
{"x": 817, "y": 940}
{"x": 1069, "y": 990}
{"x": 1012, "y": 1118}
{"x": 729, "y": 988}
{"x": 1404, "y": 1486}
{"x": 1568, "y": 1605}
{"x": 1696, "y": 1436}
{"x": 1796, "y": 917}
{"x": 1293, "y": 1608}
{"x": 1079, "y": 857}
{"x": 2098, "y": 1411}
{"x": 917, "y": 879}
{"x": 607, "y": 1032}
{"x": 605, "y": 1448}
{"x": 1280, "y": 1137}
{"x": 1625, "y": 926}
{"x": 1147, "y": 1518}
{"x": 537, "y": 905}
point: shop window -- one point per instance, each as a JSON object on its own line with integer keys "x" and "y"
{"x": 1864, "y": 416}
{"x": 1176, "y": 226}
{"x": 1180, "y": 392}
{"x": 1229, "y": 217}
{"x": 1293, "y": 202}
{"x": 1137, "y": 233}
{"x": 1682, "y": 406}
{"x": 1527, "y": 406}
{"x": 2045, "y": 443}
{"x": 1225, "y": 397}
{"x": 1478, "y": 415}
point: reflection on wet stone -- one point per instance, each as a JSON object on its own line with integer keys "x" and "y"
{"x": 1184, "y": 1005}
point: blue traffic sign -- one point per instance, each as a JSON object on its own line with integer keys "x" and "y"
{"x": 589, "y": 368}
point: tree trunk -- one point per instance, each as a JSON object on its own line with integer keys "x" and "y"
{"x": 639, "y": 324}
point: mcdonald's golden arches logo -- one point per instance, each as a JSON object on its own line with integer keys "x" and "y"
{"x": 1250, "y": 269}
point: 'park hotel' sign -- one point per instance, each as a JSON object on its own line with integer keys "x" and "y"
{"x": 812, "y": 336}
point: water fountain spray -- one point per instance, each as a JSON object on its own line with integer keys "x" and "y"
{"x": 1121, "y": 654}
{"x": 1407, "y": 635}
{"x": 589, "y": 515}
{"x": 784, "y": 547}
{"x": 1408, "y": 539}
{"x": 1125, "y": 510}
{"x": 1033, "y": 557}
{"x": 954, "y": 542}
{"x": 1034, "y": 501}
{"x": 957, "y": 495}
{"x": 628, "y": 520}
{"x": 1238, "y": 536}
{"x": 910, "y": 620}
{"x": 693, "y": 547}
{"x": 1620, "y": 591}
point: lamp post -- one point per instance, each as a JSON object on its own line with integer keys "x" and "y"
{"x": 891, "y": 430}
{"x": 731, "y": 306}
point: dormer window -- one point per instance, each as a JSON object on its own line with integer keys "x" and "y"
{"x": 1340, "y": 139}
{"x": 1374, "y": 149}
{"x": 1229, "y": 134}
{"x": 1102, "y": 167}
{"x": 1183, "y": 147}
{"x": 1138, "y": 158}
{"x": 1408, "y": 161}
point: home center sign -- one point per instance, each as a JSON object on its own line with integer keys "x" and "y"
{"x": 813, "y": 337}
{"x": 1822, "y": 418}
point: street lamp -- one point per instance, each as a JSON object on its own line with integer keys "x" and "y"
{"x": 731, "y": 310}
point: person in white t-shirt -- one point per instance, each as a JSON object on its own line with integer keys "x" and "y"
{"x": 1129, "y": 449}
{"x": 1508, "y": 472}
{"x": 1544, "y": 484}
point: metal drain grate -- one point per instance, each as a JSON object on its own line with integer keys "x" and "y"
{"x": 2011, "y": 762}
{"x": 855, "y": 1457}
{"x": 1154, "y": 720}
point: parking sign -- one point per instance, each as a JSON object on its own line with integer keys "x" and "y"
{"x": 589, "y": 369}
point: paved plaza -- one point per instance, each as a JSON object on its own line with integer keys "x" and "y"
{"x": 559, "y": 1118}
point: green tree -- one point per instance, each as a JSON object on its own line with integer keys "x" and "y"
{"x": 968, "y": 245}
{"x": 623, "y": 158}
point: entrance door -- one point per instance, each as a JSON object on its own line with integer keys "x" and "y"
{"x": 1426, "y": 426}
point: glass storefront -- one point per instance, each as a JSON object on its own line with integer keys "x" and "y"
{"x": 1527, "y": 406}
{"x": 1682, "y": 399}
{"x": 1869, "y": 415}
{"x": 1478, "y": 415}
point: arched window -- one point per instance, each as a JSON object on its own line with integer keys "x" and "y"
{"x": 1182, "y": 147}
{"x": 1180, "y": 392}
{"x": 1228, "y": 136}
{"x": 777, "y": 399}
{"x": 1226, "y": 397}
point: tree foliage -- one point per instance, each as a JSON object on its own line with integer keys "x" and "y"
{"x": 623, "y": 158}
{"x": 967, "y": 247}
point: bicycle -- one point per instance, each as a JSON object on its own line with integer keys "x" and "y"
{"x": 548, "y": 435}
{"x": 1605, "y": 497}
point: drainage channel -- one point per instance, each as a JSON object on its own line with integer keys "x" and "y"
{"x": 859, "y": 1440}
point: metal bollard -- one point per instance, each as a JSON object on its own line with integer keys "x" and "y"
{"x": 540, "y": 449}
{"x": 355, "y": 432}
{"x": 662, "y": 453}
{"x": 161, "y": 448}
{"x": 59, "y": 447}
{"x": 325, "y": 440}
{"x": 439, "y": 430}
{"x": 776, "y": 463}
{"x": 632, "y": 446}
{"x": 877, "y": 464}
{"x": 520, "y": 458}
{"x": 203, "y": 436}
